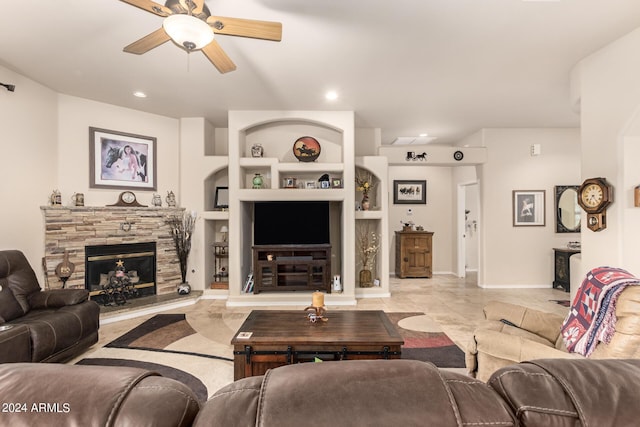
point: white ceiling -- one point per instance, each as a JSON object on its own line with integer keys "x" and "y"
{"x": 443, "y": 67}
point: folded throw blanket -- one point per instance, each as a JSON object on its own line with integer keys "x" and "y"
{"x": 592, "y": 317}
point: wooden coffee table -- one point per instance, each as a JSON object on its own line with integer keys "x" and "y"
{"x": 268, "y": 339}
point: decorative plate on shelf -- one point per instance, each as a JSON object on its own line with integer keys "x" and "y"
{"x": 306, "y": 149}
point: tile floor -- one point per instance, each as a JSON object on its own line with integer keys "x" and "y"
{"x": 455, "y": 304}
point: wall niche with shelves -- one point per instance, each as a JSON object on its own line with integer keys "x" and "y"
{"x": 216, "y": 179}
{"x": 277, "y": 139}
{"x": 276, "y": 133}
{"x": 374, "y": 220}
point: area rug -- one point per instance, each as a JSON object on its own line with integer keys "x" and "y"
{"x": 425, "y": 341}
{"x": 169, "y": 345}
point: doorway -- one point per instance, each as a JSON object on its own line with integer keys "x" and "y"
{"x": 468, "y": 228}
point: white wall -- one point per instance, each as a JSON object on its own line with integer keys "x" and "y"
{"x": 45, "y": 142}
{"x": 523, "y": 256}
{"x": 609, "y": 90}
{"x": 29, "y": 168}
{"x": 75, "y": 117}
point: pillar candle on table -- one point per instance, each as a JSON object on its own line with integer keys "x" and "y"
{"x": 317, "y": 299}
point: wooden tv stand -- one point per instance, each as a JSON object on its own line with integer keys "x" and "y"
{"x": 285, "y": 268}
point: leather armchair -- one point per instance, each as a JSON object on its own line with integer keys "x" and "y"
{"x": 41, "y": 326}
{"x": 512, "y": 334}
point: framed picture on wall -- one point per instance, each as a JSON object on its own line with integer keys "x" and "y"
{"x": 407, "y": 192}
{"x": 528, "y": 208}
{"x": 121, "y": 160}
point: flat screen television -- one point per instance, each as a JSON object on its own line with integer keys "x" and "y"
{"x": 291, "y": 223}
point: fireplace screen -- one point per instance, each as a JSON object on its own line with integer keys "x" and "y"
{"x": 115, "y": 273}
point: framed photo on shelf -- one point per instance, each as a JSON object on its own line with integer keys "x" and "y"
{"x": 222, "y": 198}
{"x": 409, "y": 192}
{"x": 121, "y": 160}
{"x": 290, "y": 182}
{"x": 528, "y": 208}
{"x": 310, "y": 185}
{"x": 336, "y": 182}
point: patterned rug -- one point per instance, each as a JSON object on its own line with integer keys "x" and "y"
{"x": 424, "y": 340}
{"x": 169, "y": 345}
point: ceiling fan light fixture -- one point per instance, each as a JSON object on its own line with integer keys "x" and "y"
{"x": 188, "y": 31}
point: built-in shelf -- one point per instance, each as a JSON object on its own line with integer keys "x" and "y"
{"x": 216, "y": 215}
{"x": 265, "y": 194}
{"x": 375, "y": 214}
{"x": 253, "y": 162}
{"x": 302, "y": 167}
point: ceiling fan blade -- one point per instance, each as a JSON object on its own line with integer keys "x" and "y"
{"x": 199, "y": 5}
{"x": 150, "y": 6}
{"x": 218, "y": 57}
{"x": 266, "y": 30}
{"x": 148, "y": 42}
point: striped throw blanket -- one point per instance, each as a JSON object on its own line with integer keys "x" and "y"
{"x": 592, "y": 317}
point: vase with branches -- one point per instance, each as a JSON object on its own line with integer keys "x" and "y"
{"x": 368, "y": 247}
{"x": 182, "y": 227}
{"x": 364, "y": 183}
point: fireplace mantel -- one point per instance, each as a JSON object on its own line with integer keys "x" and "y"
{"x": 72, "y": 228}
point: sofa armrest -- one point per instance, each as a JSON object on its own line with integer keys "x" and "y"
{"x": 15, "y": 344}
{"x": 490, "y": 350}
{"x": 547, "y": 325}
{"x": 516, "y": 348}
{"x": 57, "y": 298}
{"x": 578, "y": 392}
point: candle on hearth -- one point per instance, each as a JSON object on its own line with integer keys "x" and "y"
{"x": 317, "y": 299}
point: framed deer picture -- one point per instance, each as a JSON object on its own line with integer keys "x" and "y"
{"x": 409, "y": 192}
{"x": 528, "y": 208}
{"x": 121, "y": 160}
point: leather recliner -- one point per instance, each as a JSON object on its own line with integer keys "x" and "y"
{"x": 41, "y": 326}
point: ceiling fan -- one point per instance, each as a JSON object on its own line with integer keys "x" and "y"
{"x": 190, "y": 25}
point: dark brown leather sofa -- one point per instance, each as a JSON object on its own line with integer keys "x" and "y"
{"x": 37, "y": 325}
{"x": 549, "y": 393}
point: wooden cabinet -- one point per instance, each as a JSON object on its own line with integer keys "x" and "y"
{"x": 291, "y": 268}
{"x": 562, "y": 273}
{"x": 413, "y": 254}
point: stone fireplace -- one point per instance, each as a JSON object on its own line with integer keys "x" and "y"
{"x": 75, "y": 228}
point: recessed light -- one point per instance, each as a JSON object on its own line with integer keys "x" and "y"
{"x": 331, "y": 95}
{"x": 423, "y": 135}
{"x": 139, "y": 94}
